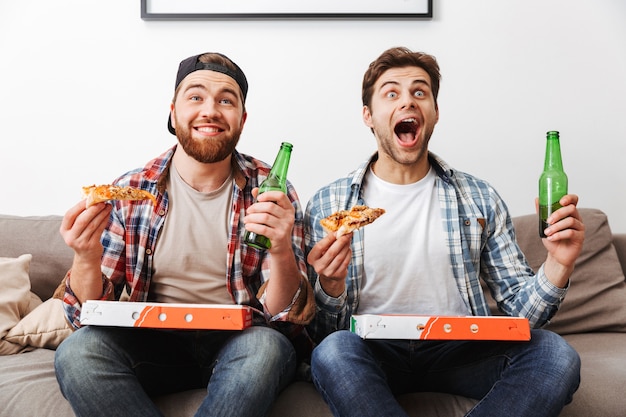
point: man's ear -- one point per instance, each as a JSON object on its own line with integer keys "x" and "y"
{"x": 367, "y": 117}
{"x": 172, "y": 116}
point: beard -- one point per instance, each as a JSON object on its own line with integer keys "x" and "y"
{"x": 208, "y": 150}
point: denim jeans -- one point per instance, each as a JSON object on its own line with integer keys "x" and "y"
{"x": 361, "y": 378}
{"x": 108, "y": 371}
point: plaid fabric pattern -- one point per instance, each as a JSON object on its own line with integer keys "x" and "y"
{"x": 480, "y": 240}
{"x": 130, "y": 237}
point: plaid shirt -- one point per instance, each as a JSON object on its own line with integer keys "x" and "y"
{"x": 480, "y": 239}
{"x": 130, "y": 237}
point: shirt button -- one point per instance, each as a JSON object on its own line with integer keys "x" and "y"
{"x": 161, "y": 212}
{"x": 148, "y": 251}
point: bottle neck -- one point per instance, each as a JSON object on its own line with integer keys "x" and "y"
{"x": 553, "y": 155}
{"x": 277, "y": 178}
{"x": 281, "y": 164}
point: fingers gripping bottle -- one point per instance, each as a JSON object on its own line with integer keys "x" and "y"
{"x": 275, "y": 181}
{"x": 552, "y": 183}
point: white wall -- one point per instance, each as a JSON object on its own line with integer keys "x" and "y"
{"x": 85, "y": 90}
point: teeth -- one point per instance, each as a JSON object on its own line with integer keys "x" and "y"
{"x": 411, "y": 120}
{"x": 207, "y": 129}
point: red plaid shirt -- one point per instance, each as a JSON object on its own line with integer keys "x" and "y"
{"x": 130, "y": 237}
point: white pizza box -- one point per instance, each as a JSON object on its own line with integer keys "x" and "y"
{"x": 400, "y": 326}
{"x": 166, "y": 315}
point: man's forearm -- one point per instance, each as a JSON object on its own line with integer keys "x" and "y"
{"x": 86, "y": 280}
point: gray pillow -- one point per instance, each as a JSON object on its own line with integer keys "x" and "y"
{"x": 596, "y": 300}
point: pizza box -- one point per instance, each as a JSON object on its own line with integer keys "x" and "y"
{"x": 166, "y": 315}
{"x": 400, "y": 326}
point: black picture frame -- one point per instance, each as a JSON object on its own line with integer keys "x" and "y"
{"x": 302, "y": 9}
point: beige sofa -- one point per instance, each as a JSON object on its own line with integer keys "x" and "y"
{"x": 592, "y": 319}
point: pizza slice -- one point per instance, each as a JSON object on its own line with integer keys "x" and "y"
{"x": 347, "y": 221}
{"x": 98, "y": 193}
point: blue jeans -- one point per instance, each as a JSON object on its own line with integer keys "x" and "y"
{"x": 108, "y": 371}
{"x": 361, "y": 378}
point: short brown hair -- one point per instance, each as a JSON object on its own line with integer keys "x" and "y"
{"x": 399, "y": 57}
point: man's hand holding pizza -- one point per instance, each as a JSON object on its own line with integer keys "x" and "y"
{"x": 81, "y": 230}
{"x": 331, "y": 256}
{"x": 82, "y": 227}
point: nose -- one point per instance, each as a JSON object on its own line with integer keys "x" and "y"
{"x": 209, "y": 109}
{"x": 407, "y": 100}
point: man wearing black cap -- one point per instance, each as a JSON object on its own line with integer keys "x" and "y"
{"x": 188, "y": 249}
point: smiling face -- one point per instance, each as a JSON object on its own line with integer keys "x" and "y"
{"x": 208, "y": 115}
{"x": 402, "y": 114}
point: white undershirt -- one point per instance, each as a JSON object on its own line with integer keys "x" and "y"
{"x": 407, "y": 264}
{"x": 191, "y": 252}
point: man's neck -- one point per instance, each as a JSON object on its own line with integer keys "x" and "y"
{"x": 393, "y": 172}
{"x": 202, "y": 177}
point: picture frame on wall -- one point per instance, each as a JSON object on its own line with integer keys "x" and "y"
{"x": 284, "y": 9}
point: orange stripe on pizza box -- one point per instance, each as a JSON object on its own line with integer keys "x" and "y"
{"x": 482, "y": 328}
{"x": 163, "y": 316}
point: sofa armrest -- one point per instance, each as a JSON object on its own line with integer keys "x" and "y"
{"x": 619, "y": 241}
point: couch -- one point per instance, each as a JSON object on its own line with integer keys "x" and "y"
{"x": 592, "y": 319}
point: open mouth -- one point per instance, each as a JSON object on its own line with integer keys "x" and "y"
{"x": 406, "y": 129}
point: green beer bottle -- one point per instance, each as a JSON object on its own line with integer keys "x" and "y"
{"x": 275, "y": 181}
{"x": 552, "y": 183}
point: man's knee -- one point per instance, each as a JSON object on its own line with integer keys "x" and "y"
{"x": 70, "y": 350}
{"x": 555, "y": 349}
{"x": 263, "y": 344}
{"x": 557, "y": 359}
{"x": 335, "y": 345}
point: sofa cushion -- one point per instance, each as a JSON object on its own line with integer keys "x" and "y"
{"x": 596, "y": 300}
{"x": 602, "y": 375}
{"x": 39, "y": 236}
{"x": 28, "y": 386}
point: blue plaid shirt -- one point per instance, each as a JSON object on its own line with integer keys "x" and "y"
{"x": 481, "y": 242}
{"x": 130, "y": 238}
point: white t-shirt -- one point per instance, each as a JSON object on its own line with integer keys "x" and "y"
{"x": 191, "y": 251}
{"x": 407, "y": 264}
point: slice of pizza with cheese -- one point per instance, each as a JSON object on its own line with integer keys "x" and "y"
{"x": 94, "y": 194}
{"x": 347, "y": 221}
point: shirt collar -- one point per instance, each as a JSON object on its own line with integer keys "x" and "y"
{"x": 442, "y": 169}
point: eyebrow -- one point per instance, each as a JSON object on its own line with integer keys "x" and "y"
{"x": 203, "y": 87}
{"x": 415, "y": 82}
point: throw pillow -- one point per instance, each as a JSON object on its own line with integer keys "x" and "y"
{"x": 44, "y": 327}
{"x": 15, "y": 299}
{"x": 14, "y": 291}
{"x": 25, "y": 321}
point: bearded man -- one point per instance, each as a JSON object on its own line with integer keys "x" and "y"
{"x": 188, "y": 248}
